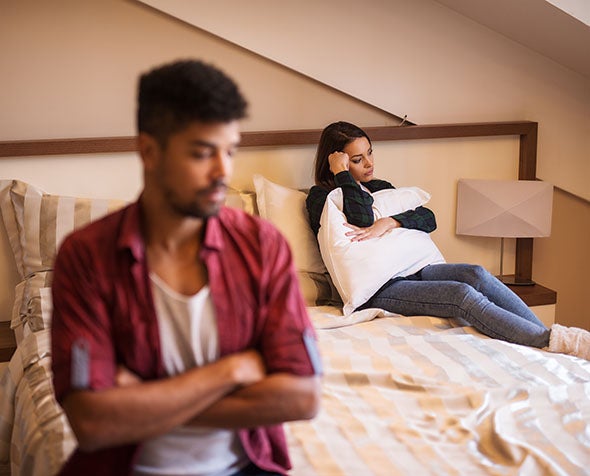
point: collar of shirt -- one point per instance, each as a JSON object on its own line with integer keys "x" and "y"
{"x": 131, "y": 237}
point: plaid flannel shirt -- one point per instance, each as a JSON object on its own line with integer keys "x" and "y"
{"x": 358, "y": 205}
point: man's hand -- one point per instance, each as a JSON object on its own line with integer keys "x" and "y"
{"x": 125, "y": 378}
{"x": 247, "y": 367}
{"x": 379, "y": 228}
{"x": 134, "y": 410}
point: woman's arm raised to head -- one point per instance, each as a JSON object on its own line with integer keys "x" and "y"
{"x": 357, "y": 203}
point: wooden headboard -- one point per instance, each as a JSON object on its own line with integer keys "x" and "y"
{"x": 525, "y": 130}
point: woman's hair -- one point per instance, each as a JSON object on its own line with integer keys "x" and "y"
{"x": 334, "y": 138}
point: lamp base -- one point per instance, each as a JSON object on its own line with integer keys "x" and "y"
{"x": 511, "y": 280}
{"x": 514, "y": 281}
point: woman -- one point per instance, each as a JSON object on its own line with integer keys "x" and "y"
{"x": 344, "y": 159}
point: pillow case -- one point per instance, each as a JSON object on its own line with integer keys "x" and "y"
{"x": 31, "y": 311}
{"x": 241, "y": 199}
{"x": 37, "y": 222}
{"x": 43, "y": 440}
{"x": 390, "y": 202}
{"x": 37, "y": 411}
{"x": 358, "y": 269}
{"x": 285, "y": 209}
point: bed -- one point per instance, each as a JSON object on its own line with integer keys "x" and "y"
{"x": 401, "y": 395}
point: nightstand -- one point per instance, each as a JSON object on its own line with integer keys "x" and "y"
{"x": 540, "y": 299}
{"x": 7, "y": 341}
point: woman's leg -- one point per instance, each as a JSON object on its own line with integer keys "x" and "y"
{"x": 484, "y": 282}
{"x": 457, "y": 299}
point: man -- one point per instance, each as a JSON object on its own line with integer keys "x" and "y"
{"x": 180, "y": 340}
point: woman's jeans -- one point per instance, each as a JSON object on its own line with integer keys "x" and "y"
{"x": 469, "y": 292}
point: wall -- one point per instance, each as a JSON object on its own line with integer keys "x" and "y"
{"x": 561, "y": 262}
{"x": 69, "y": 70}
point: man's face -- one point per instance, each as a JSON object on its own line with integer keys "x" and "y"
{"x": 194, "y": 169}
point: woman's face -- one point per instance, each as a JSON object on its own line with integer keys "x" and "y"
{"x": 360, "y": 155}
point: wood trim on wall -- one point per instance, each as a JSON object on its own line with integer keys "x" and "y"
{"x": 526, "y": 130}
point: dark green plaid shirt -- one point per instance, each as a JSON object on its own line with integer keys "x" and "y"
{"x": 358, "y": 205}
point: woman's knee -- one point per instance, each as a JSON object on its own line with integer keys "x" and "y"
{"x": 476, "y": 275}
{"x": 462, "y": 295}
{"x": 478, "y": 270}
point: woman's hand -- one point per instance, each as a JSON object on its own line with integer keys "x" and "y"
{"x": 338, "y": 162}
{"x": 379, "y": 228}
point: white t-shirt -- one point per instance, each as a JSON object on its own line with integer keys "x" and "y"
{"x": 188, "y": 334}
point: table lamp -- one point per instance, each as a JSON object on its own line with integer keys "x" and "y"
{"x": 504, "y": 209}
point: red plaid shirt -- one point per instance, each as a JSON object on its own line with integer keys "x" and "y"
{"x": 101, "y": 293}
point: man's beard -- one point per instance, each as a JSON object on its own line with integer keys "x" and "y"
{"x": 200, "y": 206}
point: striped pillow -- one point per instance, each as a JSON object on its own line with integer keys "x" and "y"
{"x": 31, "y": 311}
{"x": 37, "y": 222}
{"x": 34, "y": 433}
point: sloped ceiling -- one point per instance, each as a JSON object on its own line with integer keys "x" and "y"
{"x": 558, "y": 29}
{"x": 384, "y": 51}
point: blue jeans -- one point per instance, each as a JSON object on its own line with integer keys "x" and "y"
{"x": 469, "y": 292}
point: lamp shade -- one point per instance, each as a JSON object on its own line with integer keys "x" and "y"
{"x": 504, "y": 208}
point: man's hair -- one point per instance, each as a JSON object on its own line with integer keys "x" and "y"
{"x": 334, "y": 138}
{"x": 172, "y": 96}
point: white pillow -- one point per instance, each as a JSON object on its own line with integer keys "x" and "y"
{"x": 358, "y": 269}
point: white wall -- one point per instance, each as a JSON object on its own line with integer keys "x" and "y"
{"x": 418, "y": 58}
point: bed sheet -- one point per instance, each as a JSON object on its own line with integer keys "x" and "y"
{"x": 401, "y": 395}
{"x": 423, "y": 395}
